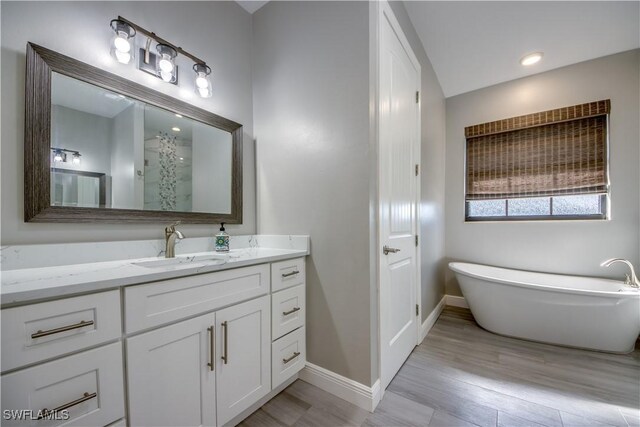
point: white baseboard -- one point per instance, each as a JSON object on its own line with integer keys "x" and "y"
{"x": 456, "y": 301}
{"x": 431, "y": 318}
{"x": 359, "y": 394}
{"x": 352, "y": 391}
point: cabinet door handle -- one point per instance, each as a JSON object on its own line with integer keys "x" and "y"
{"x": 293, "y": 273}
{"x": 48, "y": 332}
{"x": 289, "y": 359}
{"x": 212, "y": 347}
{"x": 87, "y": 396}
{"x": 293, "y": 310}
{"x": 387, "y": 250}
{"x": 225, "y": 356}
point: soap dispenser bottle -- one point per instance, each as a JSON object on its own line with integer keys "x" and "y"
{"x": 222, "y": 240}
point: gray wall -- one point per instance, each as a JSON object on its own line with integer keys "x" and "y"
{"x": 311, "y": 109}
{"x": 219, "y": 32}
{"x": 432, "y": 181}
{"x": 313, "y": 88}
{"x": 87, "y": 133}
{"x": 570, "y": 247}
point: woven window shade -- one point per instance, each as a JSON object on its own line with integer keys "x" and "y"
{"x": 556, "y": 152}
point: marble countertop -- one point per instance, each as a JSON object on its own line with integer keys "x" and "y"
{"x": 31, "y": 284}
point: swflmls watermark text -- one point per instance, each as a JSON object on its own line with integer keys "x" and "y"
{"x": 29, "y": 414}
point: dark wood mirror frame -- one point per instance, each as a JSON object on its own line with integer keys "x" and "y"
{"x": 41, "y": 62}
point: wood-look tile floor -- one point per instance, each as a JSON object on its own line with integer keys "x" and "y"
{"x": 462, "y": 375}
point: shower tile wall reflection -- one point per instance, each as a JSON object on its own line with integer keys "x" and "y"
{"x": 167, "y": 183}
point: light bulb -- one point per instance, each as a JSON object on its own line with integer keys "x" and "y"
{"x": 121, "y": 43}
{"x": 203, "y": 92}
{"x": 166, "y": 76}
{"x": 76, "y": 159}
{"x": 201, "y": 81}
{"x": 57, "y": 156}
{"x": 166, "y": 65}
{"x": 122, "y": 57}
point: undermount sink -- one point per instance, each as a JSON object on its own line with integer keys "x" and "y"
{"x": 182, "y": 261}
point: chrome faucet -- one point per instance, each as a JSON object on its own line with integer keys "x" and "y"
{"x": 629, "y": 280}
{"x": 170, "y": 237}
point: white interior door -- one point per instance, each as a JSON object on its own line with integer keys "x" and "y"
{"x": 399, "y": 131}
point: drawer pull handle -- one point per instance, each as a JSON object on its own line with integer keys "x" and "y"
{"x": 289, "y": 359}
{"x": 225, "y": 356}
{"x": 293, "y": 273}
{"x": 82, "y": 324}
{"x": 87, "y": 396}
{"x": 212, "y": 347}
{"x": 293, "y": 310}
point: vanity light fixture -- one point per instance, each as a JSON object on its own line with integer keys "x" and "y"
{"x": 531, "y": 58}
{"x": 60, "y": 155}
{"x": 165, "y": 62}
{"x": 203, "y": 82}
{"x": 122, "y": 48}
{"x": 161, "y": 64}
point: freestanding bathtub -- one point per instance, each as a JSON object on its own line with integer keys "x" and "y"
{"x": 583, "y": 312}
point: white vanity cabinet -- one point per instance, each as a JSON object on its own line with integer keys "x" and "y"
{"x": 169, "y": 374}
{"x": 174, "y": 371}
{"x": 198, "y": 350}
{"x": 288, "y": 312}
{"x": 85, "y": 389}
{"x": 81, "y": 389}
{"x": 243, "y": 362}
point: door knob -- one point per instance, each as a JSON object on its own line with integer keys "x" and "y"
{"x": 387, "y": 250}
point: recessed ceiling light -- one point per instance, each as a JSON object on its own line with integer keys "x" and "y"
{"x": 179, "y": 116}
{"x": 531, "y": 58}
{"x": 175, "y": 129}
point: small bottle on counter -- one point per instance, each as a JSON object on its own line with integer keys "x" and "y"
{"x": 222, "y": 240}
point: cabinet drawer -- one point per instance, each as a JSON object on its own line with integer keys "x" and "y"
{"x": 163, "y": 302}
{"x": 89, "y": 385}
{"x": 36, "y": 332}
{"x": 285, "y": 274}
{"x": 287, "y": 310}
{"x": 289, "y": 355}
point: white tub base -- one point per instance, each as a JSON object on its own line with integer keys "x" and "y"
{"x": 588, "y": 313}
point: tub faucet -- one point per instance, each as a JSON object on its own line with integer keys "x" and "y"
{"x": 629, "y": 280}
{"x": 170, "y": 237}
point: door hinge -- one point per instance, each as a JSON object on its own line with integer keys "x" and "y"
{"x": 417, "y": 96}
{"x": 416, "y": 240}
{"x": 417, "y": 169}
{"x": 417, "y": 310}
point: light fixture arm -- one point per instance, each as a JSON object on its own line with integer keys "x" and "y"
{"x": 65, "y": 150}
{"x": 161, "y": 41}
{"x": 147, "y": 59}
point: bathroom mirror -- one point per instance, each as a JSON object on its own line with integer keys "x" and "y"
{"x": 99, "y": 148}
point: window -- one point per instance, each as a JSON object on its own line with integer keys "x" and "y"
{"x": 548, "y": 165}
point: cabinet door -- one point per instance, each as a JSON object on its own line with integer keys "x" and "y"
{"x": 170, "y": 378}
{"x": 243, "y": 371}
